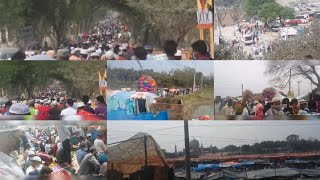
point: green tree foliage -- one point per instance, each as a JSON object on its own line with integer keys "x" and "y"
{"x": 148, "y": 20}
{"x": 128, "y": 78}
{"x": 79, "y": 78}
{"x": 267, "y": 147}
{"x": 267, "y": 10}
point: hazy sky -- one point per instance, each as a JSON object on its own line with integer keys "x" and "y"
{"x": 229, "y": 75}
{"x": 206, "y": 67}
{"x": 216, "y": 133}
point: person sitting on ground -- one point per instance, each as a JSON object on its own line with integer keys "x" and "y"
{"x": 69, "y": 110}
{"x": 101, "y": 149}
{"x": 45, "y": 172}
{"x": 33, "y": 169}
{"x": 89, "y": 165}
{"x": 200, "y": 50}
{"x": 82, "y": 152}
{"x": 275, "y": 109}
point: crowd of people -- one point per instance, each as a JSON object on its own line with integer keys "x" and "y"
{"x": 52, "y": 108}
{"x": 276, "y": 107}
{"x": 250, "y": 33}
{"x": 78, "y": 150}
{"x": 109, "y": 40}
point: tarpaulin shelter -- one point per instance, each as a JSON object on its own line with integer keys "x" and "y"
{"x": 226, "y": 175}
{"x": 271, "y": 173}
{"x": 128, "y": 156}
{"x": 132, "y": 105}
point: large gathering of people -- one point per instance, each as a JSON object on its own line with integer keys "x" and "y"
{"x": 110, "y": 39}
{"x": 78, "y": 150}
{"x": 276, "y": 107}
{"x": 54, "y": 107}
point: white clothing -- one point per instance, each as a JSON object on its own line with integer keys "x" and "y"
{"x": 69, "y": 111}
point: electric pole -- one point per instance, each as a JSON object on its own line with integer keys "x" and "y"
{"x": 194, "y": 78}
{"x": 187, "y": 147}
{"x": 299, "y": 82}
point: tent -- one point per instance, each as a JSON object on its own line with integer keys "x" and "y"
{"x": 226, "y": 175}
{"x": 117, "y": 106}
{"x": 271, "y": 173}
{"x": 129, "y": 156}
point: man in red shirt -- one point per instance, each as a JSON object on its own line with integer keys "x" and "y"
{"x": 81, "y": 110}
{"x": 44, "y": 111}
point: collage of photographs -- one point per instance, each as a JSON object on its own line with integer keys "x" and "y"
{"x": 160, "y": 89}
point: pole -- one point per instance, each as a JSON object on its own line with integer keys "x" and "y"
{"x": 242, "y": 89}
{"x": 186, "y": 137}
{"x": 145, "y": 152}
{"x": 290, "y": 93}
{"x": 299, "y": 82}
{"x": 194, "y": 78}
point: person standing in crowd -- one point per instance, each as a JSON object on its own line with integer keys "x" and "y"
{"x": 217, "y": 105}
{"x": 275, "y": 109}
{"x": 89, "y": 165}
{"x": 303, "y": 107}
{"x": 140, "y": 53}
{"x": 101, "y": 110}
{"x": 33, "y": 110}
{"x": 25, "y": 141}
{"x": 178, "y": 55}
{"x": 228, "y": 109}
{"x": 69, "y": 110}
{"x": 286, "y": 107}
{"x": 149, "y": 49}
{"x": 5, "y": 110}
{"x": 64, "y": 136}
{"x": 295, "y": 106}
{"x": 19, "y": 109}
{"x": 170, "y": 48}
{"x": 81, "y": 110}
{"x": 200, "y": 50}
{"x": 88, "y": 108}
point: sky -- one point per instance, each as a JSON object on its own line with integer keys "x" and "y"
{"x": 206, "y": 67}
{"x": 216, "y": 133}
{"x": 229, "y": 75}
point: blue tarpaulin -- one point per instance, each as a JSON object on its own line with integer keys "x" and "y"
{"x": 117, "y": 107}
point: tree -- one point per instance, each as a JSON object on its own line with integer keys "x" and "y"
{"x": 280, "y": 74}
{"x": 303, "y": 46}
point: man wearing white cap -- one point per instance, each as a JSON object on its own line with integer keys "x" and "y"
{"x": 303, "y": 107}
{"x": 275, "y": 109}
{"x": 178, "y": 55}
{"x": 84, "y": 54}
{"x": 35, "y": 166}
{"x": 19, "y": 109}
